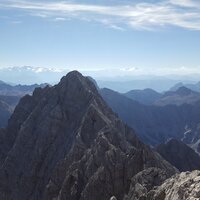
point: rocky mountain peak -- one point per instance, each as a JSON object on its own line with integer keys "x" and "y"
{"x": 64, "y": 142}
{"x": 75, "y": 80}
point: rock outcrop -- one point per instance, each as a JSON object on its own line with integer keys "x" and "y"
{"x": 143, "y": 182}
{"x": 64, "y": 142}
{"x": 184, "y": 186}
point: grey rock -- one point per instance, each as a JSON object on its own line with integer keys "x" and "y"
{"x": 64, "y": 142}
{"x": 144, "y": 181}
{"x": 184, "y": 186}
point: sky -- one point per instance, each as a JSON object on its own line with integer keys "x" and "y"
{"x": 134, "y": 37}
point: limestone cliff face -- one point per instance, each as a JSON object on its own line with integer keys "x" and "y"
{"x": 64, "y": 142}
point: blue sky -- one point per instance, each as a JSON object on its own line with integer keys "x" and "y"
{"x": 132, "y": 37}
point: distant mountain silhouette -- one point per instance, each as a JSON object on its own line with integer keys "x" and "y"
{"x": 158, "y": 84}
{"x": 156, "y": 124}
{"x": 182, "y": 95}
{"x": 146, "y": 96}
{"x": 17, "y": 90}
{"x": 9, "y": 98}
{"x": 194, "y": 87}
{"x": 64, "y": 142}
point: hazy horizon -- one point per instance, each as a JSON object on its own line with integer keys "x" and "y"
{"x": 112, "y": 78}
{"x": 104, "y": 38}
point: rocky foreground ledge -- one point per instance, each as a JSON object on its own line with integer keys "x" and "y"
{"x": 183, "y": 186}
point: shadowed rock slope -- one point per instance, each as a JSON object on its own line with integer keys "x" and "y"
{"x": 7, "y": 105}
{"x": 5, "y": 112}
{"x": 146, "y": 96}
{"x": 9, "y": 98}
{"x": 179, "y": 155}
{"x": 65, "y": 143}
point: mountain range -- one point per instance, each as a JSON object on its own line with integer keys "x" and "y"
{"x": 17, "y": 90}
{"x": 123, "y": 86}
{"x": 114, "y": 79}
{"x": 156, "y": 124}
{"x": 182, "y": 95}
{"x": 64, "y": 142}
{"x": 146, "y": 96}
{"x": 194, "y": 87}
{"x": 9, "y": 98}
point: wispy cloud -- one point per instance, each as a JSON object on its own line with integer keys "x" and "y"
{"x": 185, "y": 3}
{"x": 162, "y": 71}
{"x": 16, "y": 22}
{"x": 149, "y": 16}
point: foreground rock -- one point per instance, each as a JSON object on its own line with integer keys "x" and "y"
{"x": 65, "y": 143}
{"x": 184, "y": 186}
{"x": 144, "y": 181}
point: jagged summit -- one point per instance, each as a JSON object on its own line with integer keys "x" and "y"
{"x": 64, "y": 142}
{"x": 75, "y": 80}
{"x": 73, "y": 75}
